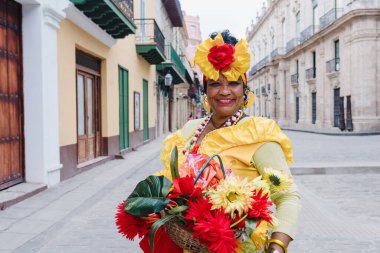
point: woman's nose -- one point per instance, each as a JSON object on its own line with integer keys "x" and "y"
{"x": 225, "y": 89}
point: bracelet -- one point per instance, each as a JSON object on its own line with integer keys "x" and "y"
{"x": 280, "y": 243}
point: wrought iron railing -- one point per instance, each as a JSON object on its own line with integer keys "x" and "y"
{"x": 253, "y": 70}
{"x": 311, "y": 73}
{"x": 148, "y": 32}
{"x": 294, "y": 78}
{"x": 291, "y": 44}
{"x": 333, "y": 65}
{"x": 125, "y": 6}
{"x": 330, "y": 17}
{"x": 274, "y": 53}
{"x": 172, "y": 56}
{"x": 308, "y": 32}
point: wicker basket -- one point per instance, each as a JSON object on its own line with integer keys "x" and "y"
{"x": 183, "y": 237}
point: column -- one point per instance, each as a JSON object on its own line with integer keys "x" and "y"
{"x": 40, "y": 25}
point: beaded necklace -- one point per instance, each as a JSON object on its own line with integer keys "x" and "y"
{"x": 231, "y": 121}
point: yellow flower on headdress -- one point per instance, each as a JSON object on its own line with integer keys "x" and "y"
{"x": 236, "y": 67}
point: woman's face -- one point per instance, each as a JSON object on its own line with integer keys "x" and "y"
{"x": 224, "y": 97}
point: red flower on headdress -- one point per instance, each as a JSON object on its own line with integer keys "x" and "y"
{"x": 130, "y": 225}
{"x": 260, "y": 207}
{"x": 198, "y": 211}
{"x": 221, "y": 56}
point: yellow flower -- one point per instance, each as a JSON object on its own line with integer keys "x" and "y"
{"x": 237, "y": 68}
{"x": 233, "y": 194}
{"x": 277, "y": 180}
{"x": 260, "y": 235}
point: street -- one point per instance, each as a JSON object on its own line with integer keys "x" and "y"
{"x": 339, "y": 210}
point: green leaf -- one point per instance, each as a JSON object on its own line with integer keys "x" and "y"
{"x": 149, "y": 196}
{"x": 174, "y": 163}
{"x": 155, "y": 227}
{"x": 250, "y": 225}
{"x": 178, "y": 209}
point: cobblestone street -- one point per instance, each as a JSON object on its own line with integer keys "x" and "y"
{"x": 339, "y": 214}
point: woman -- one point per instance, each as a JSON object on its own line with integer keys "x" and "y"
{"x": 247, "y": 145}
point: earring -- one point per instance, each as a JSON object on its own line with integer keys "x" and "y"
{"x": 249, "y": 98}
{"x": 205, "y": 104}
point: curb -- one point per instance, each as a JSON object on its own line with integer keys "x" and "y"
{"x": 331, "y": 133}
{"x": 334, "y": 170}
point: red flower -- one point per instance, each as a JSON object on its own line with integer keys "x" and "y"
{"x": 162, "y": 243}
{"x": 216, "y": 234}
{"x": 198, "y": 210}
{"x": 130, "y": 225}
{"x": 182, "y": 186}
{"x": 221, "y": 56}
{"x": 260, "y": 207}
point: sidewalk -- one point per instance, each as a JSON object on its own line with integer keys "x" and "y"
{"x": 87, "y": 201}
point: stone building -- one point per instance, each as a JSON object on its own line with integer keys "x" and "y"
{"x": 316, "y": 64}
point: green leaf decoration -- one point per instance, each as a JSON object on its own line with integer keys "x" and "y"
{"x": 155, "y": 227}
{"x": 174, "y": 163}
{"x": 149, "y": 196}
{"x": 178, "y": 209}
{"x": 250, "y": 225}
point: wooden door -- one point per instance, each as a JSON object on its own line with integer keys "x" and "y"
{"x": 88, "y": 116}
{"x": 11, "y": 95}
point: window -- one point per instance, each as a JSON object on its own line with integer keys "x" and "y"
{"x": 298, "y": 25}
{"x": 314, "y": 64}
{"x": 313, "y": 107}
{"x": 336, "y": 54}
{"x": 283, "y": 33}
{"x": 315, "y": 17}
{"x": 297, "y": 108}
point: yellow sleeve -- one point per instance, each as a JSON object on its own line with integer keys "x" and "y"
{"x": 270, "y": 155}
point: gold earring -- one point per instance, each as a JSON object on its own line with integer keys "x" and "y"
{"x": 205, "y": 104}
{"x": 250, "y": 99}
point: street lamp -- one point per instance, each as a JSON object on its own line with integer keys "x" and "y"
{"x": 168, "y": 79}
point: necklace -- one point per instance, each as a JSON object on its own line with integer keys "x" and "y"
{"x": 231, "y": 121}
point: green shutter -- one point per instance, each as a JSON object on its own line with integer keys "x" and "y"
{"x": 123, "y": 109}
{"x": 145, "y": 109}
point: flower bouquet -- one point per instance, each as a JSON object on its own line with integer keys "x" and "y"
{"x": 205, "y": 209}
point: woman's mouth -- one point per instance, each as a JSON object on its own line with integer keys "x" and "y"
{"x": 226, "y": 101}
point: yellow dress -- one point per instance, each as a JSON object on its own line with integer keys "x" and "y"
{"x": 247, "y": 148}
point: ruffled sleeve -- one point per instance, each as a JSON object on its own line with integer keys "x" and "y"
{"x": 250, "y": 131}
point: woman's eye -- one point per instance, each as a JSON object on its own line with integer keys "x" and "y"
{"x": 234, "y": 83}
{"x": 214, "y": 84}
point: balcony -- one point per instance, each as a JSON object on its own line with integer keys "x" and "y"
{"x": 189, "y": 73}
{"x": 113, "y": 16}
{"x": 308, "y": 32}
{"x": 333, "y": 65}
{"x": 173, "y": 8}
{"x": 291, "y": 44}
{"x": 173, "y": 64}
{"x": 252, "y": 71}
{"x": 264, "y": 92}
{"x": 150, "y": 42}
{"x": 330, "y": 17}
{"x": 274, "y": 53}
{"x": 311, "y": 73}
{"x": 294, "y": 79}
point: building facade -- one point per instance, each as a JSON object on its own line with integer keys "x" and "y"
{"x": 316, "y": 63}
{"x": 83, "y": 82}
{"x": 195, "y": 38}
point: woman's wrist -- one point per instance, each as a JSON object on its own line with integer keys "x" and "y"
{"x": 276, "y": 246}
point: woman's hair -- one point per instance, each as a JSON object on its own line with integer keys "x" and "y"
{"x": 229, "y": 39}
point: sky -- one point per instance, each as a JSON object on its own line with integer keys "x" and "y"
{"x": 217, "y": 15}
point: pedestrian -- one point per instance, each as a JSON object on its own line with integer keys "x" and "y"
{"x": 249, "y": 145}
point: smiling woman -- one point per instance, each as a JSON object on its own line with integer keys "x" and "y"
{"x": 250, "y": 146}
{"x": 218, "y": 207}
